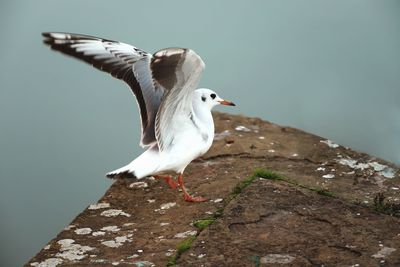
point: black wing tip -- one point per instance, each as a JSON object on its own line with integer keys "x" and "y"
{"x": 49, "y": 38}
{"x": 121, "y": 175}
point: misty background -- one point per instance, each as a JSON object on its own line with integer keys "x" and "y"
{"x": 331, "y": 68}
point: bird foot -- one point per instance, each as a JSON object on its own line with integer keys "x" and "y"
{"x": 189, "y": 198}
{"x": 169, "y": 180}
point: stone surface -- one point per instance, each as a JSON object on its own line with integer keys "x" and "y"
{"x": 270, "y": 222}
{"x": 276, "y": 223}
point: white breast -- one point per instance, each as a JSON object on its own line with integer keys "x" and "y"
{"x": 192, "y": 139}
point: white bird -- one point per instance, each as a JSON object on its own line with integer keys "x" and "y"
{"x": 177, "y": 124}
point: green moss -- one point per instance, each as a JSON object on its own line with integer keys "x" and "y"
{"x": 323, "y": 192}
{"x": 182, "y": 247}
{"x": 185, "y": 244}
{"x": 218, "y": 213}
{"x": 239, "y": 187}
{"x": 267, "y": 174}
{"x": 204, "y": 223}
{"x": 201, "y": 224}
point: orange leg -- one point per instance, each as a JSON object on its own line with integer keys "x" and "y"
{"x": 170, "y": 181}
{"x": 186, "y": 195}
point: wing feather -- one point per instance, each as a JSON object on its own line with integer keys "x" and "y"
{"x": 163, "y": 83}
{"x": 118, "y": 59}
{"x": 180, "y": 79}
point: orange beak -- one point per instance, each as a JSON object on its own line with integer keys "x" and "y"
{"x": 226, "y": 103}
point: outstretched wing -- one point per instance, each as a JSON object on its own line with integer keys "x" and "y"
{"x": 178, "y": 71}
{"x": 122, "y": 61}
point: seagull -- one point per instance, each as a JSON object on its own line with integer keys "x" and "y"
{"x": 176, "y": 121}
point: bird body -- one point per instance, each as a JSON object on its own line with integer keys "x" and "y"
{"x": 176, "y": 121}
{"x": 193, "y": 138}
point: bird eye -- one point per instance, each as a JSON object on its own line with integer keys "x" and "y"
{"x": 203, "y": 98}
{"x": 213, "y": 96}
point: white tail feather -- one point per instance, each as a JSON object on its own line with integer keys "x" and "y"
{"x": 144, "y": 165}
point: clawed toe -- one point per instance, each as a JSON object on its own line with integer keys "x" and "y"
{"x": 189, "y": 198}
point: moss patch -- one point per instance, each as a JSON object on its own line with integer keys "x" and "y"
{"x": 323, "y": 192}
{"x": 182, "y": 247}
{"x": 267, "y": 174}
{"x": 239, "y": 187}
{"x": 201, "y": 224}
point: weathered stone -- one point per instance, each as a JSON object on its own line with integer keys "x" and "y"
{"x": 267, "y": 219}
{"x": 277, "y": 223}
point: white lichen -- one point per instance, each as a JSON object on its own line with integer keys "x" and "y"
{"x": 98, "y": 233}
{"x": 388, "y": 173}
{"x": 382, "y": 170}
{"x": 117, "y": 242}
{"x": 114, "y": 213}
{"x": 328, "y": 176}
{"x": 99, "y": 206}
{"x": 377, "y": 166}
{"x": 242, "y": 128}
{"x": 222, "y": 135}
{"x": 166, "y": 206}
{"x": 138, "y": 185}
{"x": 69, "y": 227}
{"x": 384, "y": 252}
{"x": 144, "y": 264}
{"x": 133, "y": 256}
{"x": 186, "y": 234}
{"x": 50, "y": 262}
{"x": 83, "y": 231}
{"x": 71, "y": 251}
{"x": 329, "y": 143}
{"x": 277, "y": 259}
{"x": 98, "y": 260}
{"x": 112, "y": 228}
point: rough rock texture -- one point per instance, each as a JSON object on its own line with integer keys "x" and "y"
{"x": 272, "y": 222}
{"x": 268, "y": 223}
